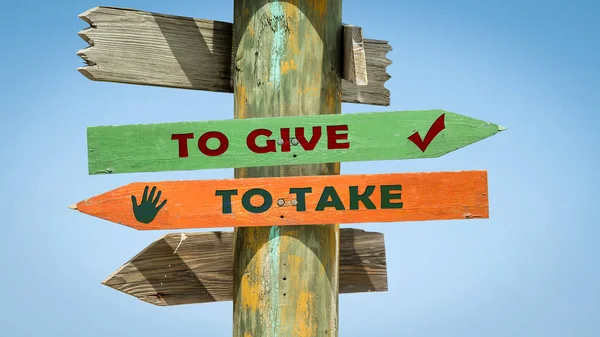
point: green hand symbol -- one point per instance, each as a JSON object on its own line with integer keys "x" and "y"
{"x": 146, "y": 211}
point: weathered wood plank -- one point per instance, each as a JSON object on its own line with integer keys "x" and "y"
{"x": 187, "y": 268}
{"x": 355, "y": 63}
{"x": 374, "y": 93}
{"x": 138, "y": 47}
{"x": 304, "y": 140}
{"x": 253, "y": 202}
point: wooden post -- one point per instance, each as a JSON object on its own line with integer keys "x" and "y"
{"x": 287, "y": 62}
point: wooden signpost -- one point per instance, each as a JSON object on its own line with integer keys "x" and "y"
{"x": 281, "y": 141}
{"x": 289, "y": 201}
{"x": 290, "y": 65}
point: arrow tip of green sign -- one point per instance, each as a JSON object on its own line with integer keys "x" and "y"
{"x": 501, "y": 128}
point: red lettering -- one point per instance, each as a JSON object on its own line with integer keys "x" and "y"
{"x": 333, "y": 137}
{"x": 251, "y": 141}
{"x": 285, "y": 136}
{"x": 223, "y": 143}
{"x": 182, "y": 142}
{"x": 314, "y": 139}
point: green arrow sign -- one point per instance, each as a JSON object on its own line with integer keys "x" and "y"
{"x": 281, "y": 141}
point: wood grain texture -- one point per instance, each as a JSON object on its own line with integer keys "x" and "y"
{"x": 144, "y": 48}
{"x": 287, "y": 63}
{"x": 355, "y": 62}
{"x": 371, "y": 136}
{"x": 188, "y": 268}
{"x": 199, "y": 204}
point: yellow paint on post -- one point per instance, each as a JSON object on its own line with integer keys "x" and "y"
{"x": 295, "y": 261}
{"x": 304, "y": 326}
{"x": 286, "y": 66}
{"x": 293, "y": 39}
{"x": 330, "y": 100}
{"x": 241, "y": 98}
{"x": 309, "y": 90}
{"x": 250, "y": 292}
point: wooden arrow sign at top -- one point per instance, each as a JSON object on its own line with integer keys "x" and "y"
{"x": 139, "y": 47}
{"x": 300, "y": 200}
{"x": 281, "y": 141}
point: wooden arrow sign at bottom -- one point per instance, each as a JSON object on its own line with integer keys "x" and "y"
{"x": 301, "y": 200}
{"x": 187, "y": 268}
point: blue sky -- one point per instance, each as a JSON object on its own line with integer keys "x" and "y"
{"x": 532, "y": 269}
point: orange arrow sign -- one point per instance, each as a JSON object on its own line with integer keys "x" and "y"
{"x": 302, "y": 200}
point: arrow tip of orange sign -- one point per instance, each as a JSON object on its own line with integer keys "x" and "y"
{"x": 73, "y": 207}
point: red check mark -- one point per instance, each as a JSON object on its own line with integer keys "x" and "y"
{"x": 434, "y": 130}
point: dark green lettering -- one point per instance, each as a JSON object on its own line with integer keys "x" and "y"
{"x": 386, "y": 197}
{"x": 267, "y": 200}
{"x": 364, "y": 198}
{"x": 335, "y": 200}
{"x": 226, "y": 200}
{"x": 301, "y": 197}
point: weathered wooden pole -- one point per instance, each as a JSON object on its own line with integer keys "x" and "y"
{"x": 287, "y": 63}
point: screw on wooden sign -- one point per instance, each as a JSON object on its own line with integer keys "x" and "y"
{"x": 298, "y": 200}
{"x": 281, "y": 141}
